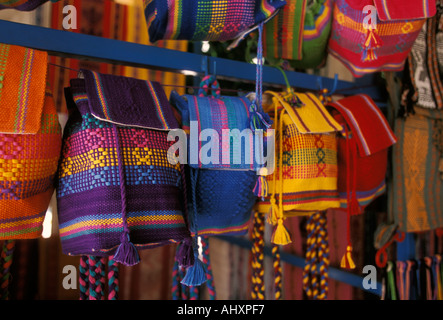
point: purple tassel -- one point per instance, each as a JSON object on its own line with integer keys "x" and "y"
{"x": 185, "y": 254}
{"x": 127, "y": 253}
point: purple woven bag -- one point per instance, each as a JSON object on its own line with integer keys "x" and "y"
{"x": 117, "y": 192}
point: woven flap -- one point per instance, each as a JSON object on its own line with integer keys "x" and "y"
{"x": 310, "y": 117}
{"x": 366, "y": 122}
{"x": 22, "y": 89}
{"x": 217, "y": 124}
{"x": 405, "y": 10}
{"x": 128, "y": 101}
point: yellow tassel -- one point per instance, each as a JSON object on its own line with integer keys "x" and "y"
{"x": 281, "y": 235}
{"x": 346, "y": 261}
{"x": 271, "y": 218}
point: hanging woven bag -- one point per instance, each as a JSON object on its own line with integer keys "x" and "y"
{"x": 30, "y": 142}
{"x": 207, "y": 20}
{"x": 299, "y": 33}
{"x": 117, "y": 191}
{"x": 366, "y": 44}
{"x": 305, "y": 178}
{"x": 363, "y": 147}
{"x": 221, "y": 194}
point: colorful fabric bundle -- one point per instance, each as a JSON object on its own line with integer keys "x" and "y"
{"x": 30, "y": 142}
{"x": 362, "y": 156}
{"x": 424, "y": 85}
{"x": 299, "y": 33}
{"x": 305, "y": 179}
{"x": 199, "y": 20}
{"x": 214, "y": 207}
{"x": 364, "y": 48}
{"x": 418, "y": 171}
{"x": 117, "y": 191}
{"x": 22, "y": 5}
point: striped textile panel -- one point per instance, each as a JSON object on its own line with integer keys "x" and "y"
{"x": 347, "y": 41}
{"x": 89, "y": 194}
{"x": 28, "y": 164}
{"x": 283, "y": 35}
{"x": 219, "y": 20}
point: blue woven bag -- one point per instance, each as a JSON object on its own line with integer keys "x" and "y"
{"x": 220, "y": 189}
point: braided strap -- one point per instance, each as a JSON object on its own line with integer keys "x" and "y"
{"x": 84, "y": 278}
{"x": 113, "y": 283}
{"x": 96, "y": 278}
{"x": 210, "y": 283}
{"x": 175, "y": 289}
{"x": 258, "y": 283}
{"x": 278, "y": 288}
{"x": 5, "y": 264}
{"x": 315, "y": 272}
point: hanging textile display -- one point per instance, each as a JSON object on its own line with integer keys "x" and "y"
{"x": 414, "y": 279}
{"x": 117, "y": 193}
{"x": 365, "y": 47}
{"x": 207, "y": 20}
{"x": 299, "y": 33}
{"x": 417, "y": 171}
{"x": 305, "y": 178}
{"x": 423, "y": 86}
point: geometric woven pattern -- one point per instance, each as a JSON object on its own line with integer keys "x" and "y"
{"x": 89, "y": 187}
{"x": 30, "y": 142}
{"x": 365, "y": 50}
{"x": 218, "y": 20}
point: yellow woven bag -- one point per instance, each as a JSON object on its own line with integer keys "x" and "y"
{"x": 305, "y": 178}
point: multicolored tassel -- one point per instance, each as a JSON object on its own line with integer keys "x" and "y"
{"x": 372, "y": 42}
{"x": 261, "y": 187}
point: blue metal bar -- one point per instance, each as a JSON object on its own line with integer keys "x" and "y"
{"x": 334, "y": 273}
{"x": 88, "y": 47}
